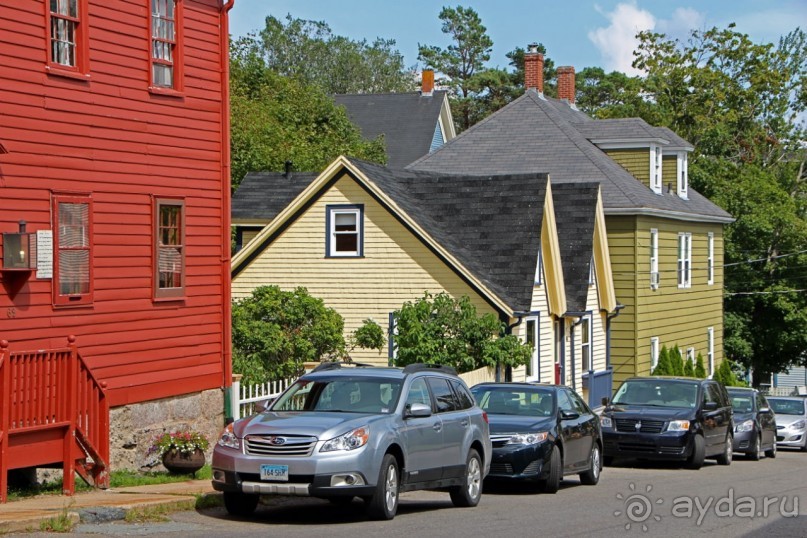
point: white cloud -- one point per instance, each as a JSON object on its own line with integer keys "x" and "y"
{"x": 618, "y": 41}
{"x": 683, "y": 21}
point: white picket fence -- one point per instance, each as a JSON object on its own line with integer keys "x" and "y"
{"x": 244, "y": 398}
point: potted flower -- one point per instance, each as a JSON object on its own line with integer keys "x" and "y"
{"x": 181, "y": 452}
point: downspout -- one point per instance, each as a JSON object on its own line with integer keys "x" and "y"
{"x": 579, "y": 316}
{"x": 608, "y": 319}
{"x": 509, "y": 330}
{"x": 226, "y": 321}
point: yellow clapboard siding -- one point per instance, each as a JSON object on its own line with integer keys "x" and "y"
{"x": 635, "y": 161}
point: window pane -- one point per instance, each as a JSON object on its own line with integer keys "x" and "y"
{"x": 74, "y": 272}
{"x": 73, "y": 220}
{"x": 347, "y": 242}
{"x": 345, "y": 222}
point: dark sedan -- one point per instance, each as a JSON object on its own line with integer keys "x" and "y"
{"x": 755, "y": 423}
{"x": 540, "y": 433}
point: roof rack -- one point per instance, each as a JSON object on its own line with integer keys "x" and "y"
{"x": 333, "y": 365}
{"x": 423, "y": 367}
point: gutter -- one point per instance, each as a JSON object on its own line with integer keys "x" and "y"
{"x": 509, "y": 330}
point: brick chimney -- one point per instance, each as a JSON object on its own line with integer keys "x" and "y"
{"x": 566, "y": 88}
{"x": 533, "y": 68}
{"x": 427, "y": 84}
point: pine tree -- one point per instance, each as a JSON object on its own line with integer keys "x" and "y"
{"x": 700, "y": 370}
{"x": 689, "y": 368}
{"x": 676, "y": 361}
{"x": 663, "y": 365}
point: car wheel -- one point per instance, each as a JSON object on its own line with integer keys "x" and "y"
{"x": 728, "y": 452}
{"x": 552, "y": 482}
{"x": 771, "y": 452}
{"x": 592, "y": 476}
{"x": 469, "y": 493}
{"x": 695, "y": 460}
{"x": 804, "y": 446}
{"x": 384, "y": 502}
{"x": 240, "y": 504}
{"x": 756, "y": 453}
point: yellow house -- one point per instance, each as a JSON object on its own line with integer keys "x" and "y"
{"x": 665, "y": 239}
{"x": 366, "y": 239}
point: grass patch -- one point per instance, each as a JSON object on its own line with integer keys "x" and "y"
{"x": 158, "y": 513}
{"x": 60, "y": 523}
{"x": 117, "y": 479}
{"x": 208, "y": 500}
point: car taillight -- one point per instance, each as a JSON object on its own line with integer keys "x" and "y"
{"x": 485, "y": 417}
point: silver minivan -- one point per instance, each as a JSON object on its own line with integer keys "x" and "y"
{"x": 344, "y": 432}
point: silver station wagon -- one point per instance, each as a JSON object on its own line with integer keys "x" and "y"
{"x": 344, "y": 432}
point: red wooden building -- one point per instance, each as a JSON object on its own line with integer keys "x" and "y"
{"x": 114, "y": 151}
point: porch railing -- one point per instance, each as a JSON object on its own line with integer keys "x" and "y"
{"x": 52, "y": 410}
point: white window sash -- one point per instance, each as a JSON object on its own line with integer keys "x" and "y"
{"x": 653, "y": 352}
{"x": 654, "y": 275}
{"x": 711, "y": 259}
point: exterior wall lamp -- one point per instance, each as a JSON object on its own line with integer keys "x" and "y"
{"x": 19, "y": 250}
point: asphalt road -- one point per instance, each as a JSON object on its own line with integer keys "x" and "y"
{"x": 632, "y": 499}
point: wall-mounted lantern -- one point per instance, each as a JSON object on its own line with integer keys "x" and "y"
{"x": 19, "y": 250}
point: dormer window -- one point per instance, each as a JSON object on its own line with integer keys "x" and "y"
{"x": 655, "y": 168}
{"x": 683, "y": 175}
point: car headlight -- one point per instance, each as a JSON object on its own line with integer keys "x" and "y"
{"x": 798, "y": 425}
{"x": 746, "y": 426}
{"x": 527, "y": 438}
{"x": 606, "y": 422}
{"x": 229, "y": 439}
{"x": 678, "y": 426}
{"x": 350, "y": 441}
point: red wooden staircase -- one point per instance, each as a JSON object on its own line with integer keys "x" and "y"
{"x": 53, "y": 413}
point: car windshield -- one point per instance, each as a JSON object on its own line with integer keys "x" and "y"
{"x": 527, "y": 401}
{"x": 787, "y": 407}
{"x": 742, "y": 402}
{"x": 341, "y": 394}
{"x": 657, "y": 393}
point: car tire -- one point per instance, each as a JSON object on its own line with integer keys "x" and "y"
{"x": 756, "y": 452}
{"x": 240, "y": 504}
{"x": 592, "y": 476}
{"x": 804, "y": 446}
{"x": 771, "y": 452}
{"x": 728, "y": 452}
{"x": 552, "y": 482}
{"x": 469, "y": 494}
{"x": 384, "y": 502}
{"x": 695, "y": 460}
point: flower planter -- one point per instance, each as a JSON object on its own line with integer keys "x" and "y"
{"x": 183, "y": 462}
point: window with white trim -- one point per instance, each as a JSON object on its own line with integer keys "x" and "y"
{"x": 585, "y": 344}
{"x": 654, "y": 274}
{"x": 653, "y": 353}
{"x": 344, "y": 228}
{"x": 710, "y": 258}
{"x": 655, "y": 168}
{"x": 684, "y": 260}
{"x": 591, "y": 276}
{"x": 683, "y": 175}
{"x": 539, "y": 269}
{"x": 531, "y": 338}
{"x": 710, "y": 350}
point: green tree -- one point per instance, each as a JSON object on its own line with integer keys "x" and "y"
{"x": 442, "y": 330}
{"x": 663, "y": 366}
{"x": 276, "y": 118}
{"x": 689, "y": 368}
{"x": 461, "y": 61}
{"x": 309, "y": 52}
{"x": 676, "y": 361}
{"x": 276, "y": 331}
{"x": 700, "y": 370}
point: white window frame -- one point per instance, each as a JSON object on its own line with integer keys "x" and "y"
{"x": 539, "y": 269}
{"x": 585, "y": 345}
{"x": 710, "y": 349}
{"x": 534, "y": 372}
{"x": 655, "y": 278}
{"x": 683, "y": 175}
{"x": 710, "y": 258}
{"x": 684, "y": 259}
{"x": 358, "y": 213}
{"x": 691, "y": 355}
{"x": 654, "y": 351}
{"x": 592, "y": 277}
{"x": 655, "y": 169}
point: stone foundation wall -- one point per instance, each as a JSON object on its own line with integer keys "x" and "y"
{"x": 134, "y": 427}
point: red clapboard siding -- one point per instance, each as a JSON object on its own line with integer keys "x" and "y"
{"x": 109, "y": 137}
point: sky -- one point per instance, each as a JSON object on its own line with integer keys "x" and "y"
{"x": 580, "y": 33}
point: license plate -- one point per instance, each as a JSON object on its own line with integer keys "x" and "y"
{"x": 278, "y": 473}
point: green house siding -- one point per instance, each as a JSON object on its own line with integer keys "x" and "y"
{"x": 677, "y": 316}
{"x": 635, "y": 161}
{"x": 669, "y": 171}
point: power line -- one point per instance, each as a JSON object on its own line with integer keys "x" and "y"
{"x": 765, "y": 292}
{"x": 766, "y": 259}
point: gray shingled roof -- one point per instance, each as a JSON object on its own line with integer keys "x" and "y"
{"x": 619, "y": 129}
{"x": 493, "y": 232}
{"x": 407, "y": 121}
{"x": 575, "y": 211}
{"x": 262, "y": 195}
{"x": 531, "y": 135}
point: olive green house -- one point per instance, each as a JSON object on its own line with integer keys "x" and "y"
{"x": 665, "y": 239}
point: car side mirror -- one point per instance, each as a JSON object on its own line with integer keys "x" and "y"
{"x": 263, "y": 405}
{"x": 569, "y": 415}
{"x": 418, "y": 410}
{"x": 710, "y": 406}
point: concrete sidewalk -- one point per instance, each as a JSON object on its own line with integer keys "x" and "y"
{"x": 99, "y": 505}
